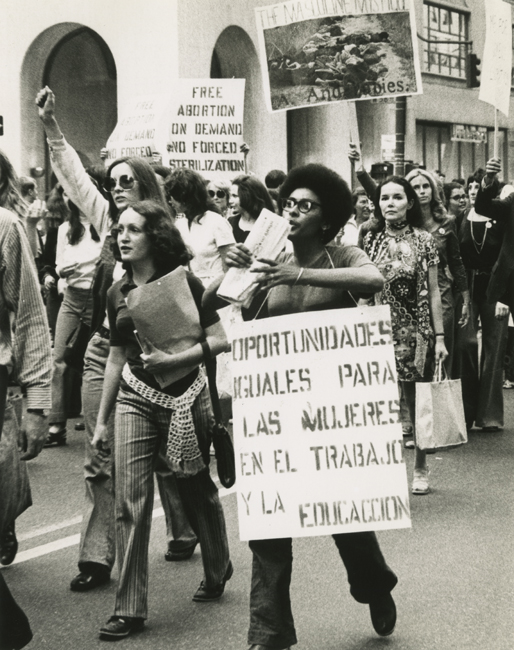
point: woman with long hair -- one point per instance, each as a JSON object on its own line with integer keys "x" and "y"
{"x": 480, "y": 368}
{"x": 451, "y": 273}
{"x": 248, "y": 196}
{"x": 218, "y": 190}
{"x": 314, "y": 277}
{"x": 204, "y": 230}
{"x": 126, "y": 181}
{"x": 148, "y": 415}
{"x": 407, "y": 257}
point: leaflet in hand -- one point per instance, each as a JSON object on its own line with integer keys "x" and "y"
{"x": 266, "y": 240}
{"x": 165, "y": 314}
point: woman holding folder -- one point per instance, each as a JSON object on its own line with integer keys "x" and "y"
{"x": 314, "y": 277}
{"x": 148, "y": 412}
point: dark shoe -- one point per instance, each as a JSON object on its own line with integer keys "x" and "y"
{"x": 205, "y": 594}
{"x": 57, "y": 438}
{"x": 8, "y": 545}
{"x": 90, "y": 577}
{"x": 80, "y": 426}
{"x": 119, "y": 627}
{"x": 383, "y": 614}
{"x": 179, "y": 556}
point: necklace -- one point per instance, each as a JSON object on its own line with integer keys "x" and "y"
{"x": 479, "y": 245}
{"x": 396, "y": 225}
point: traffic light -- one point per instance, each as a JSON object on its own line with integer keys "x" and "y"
{"x": 1, "y": 124}
{"x": 473, "y": 72}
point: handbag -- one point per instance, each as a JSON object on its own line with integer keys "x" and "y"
{"x": 221, "y": 440}
{"x": 440, "y": 420}
{"x": 76, "y": 345}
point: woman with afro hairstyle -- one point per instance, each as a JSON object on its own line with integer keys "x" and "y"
{"x": 314, "y": 277}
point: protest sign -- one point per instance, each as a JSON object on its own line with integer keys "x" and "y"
{"x": 497, "y": 59}
{"x": 205, "y": 131}
{"x": 141, "y": 129}
{"x": 321, "y": 52}
{"x": 316, "y": 425}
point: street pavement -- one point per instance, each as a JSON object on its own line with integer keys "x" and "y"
{"x": 455, "y": 567}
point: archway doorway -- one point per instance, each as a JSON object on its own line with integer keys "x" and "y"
{"x": 77, "y": 64}
{"x": 234, "y": 55}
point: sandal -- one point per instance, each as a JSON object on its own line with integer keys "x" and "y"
{"x": 56, "y": 436}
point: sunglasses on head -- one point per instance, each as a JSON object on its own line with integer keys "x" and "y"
{"x": 124, "y": 181}
{"x": 219, "y": 194}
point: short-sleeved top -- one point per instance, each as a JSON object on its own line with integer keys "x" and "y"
{"x": 286, "y": 299}
{"x": 122, "y": 331}
{"x": 205, "y": 235}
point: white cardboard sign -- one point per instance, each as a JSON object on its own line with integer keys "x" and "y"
{"x": 316, "y": 425}
{"x": 205, "y": 130}
{"x": 316, "y": 53}
{"x": 497, "y": 59}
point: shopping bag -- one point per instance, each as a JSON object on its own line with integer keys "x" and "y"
{"x": 440, "y": 418}
{"x": 15, "y": 495}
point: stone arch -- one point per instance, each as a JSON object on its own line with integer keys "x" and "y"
{"x": 235, "y": 55}
{"x": 78, "y": 63}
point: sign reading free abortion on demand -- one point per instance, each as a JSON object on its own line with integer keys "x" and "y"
{"x": 316, "y": 425}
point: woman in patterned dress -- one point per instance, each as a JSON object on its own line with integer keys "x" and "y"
{"x": 407, "y": 257}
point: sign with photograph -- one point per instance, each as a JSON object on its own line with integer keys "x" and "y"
{"x": 322, "y": 52}
{"x": 316, "y": 425}
{"x": 205, "y": 131}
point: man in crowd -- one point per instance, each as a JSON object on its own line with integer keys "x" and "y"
{"x": 25, "y": 354}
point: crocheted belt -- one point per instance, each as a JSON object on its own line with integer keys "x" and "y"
{"x": 183, "y": 453}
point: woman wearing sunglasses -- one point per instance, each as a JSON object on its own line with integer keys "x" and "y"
{"x": 218, "y": 191}
{"x": 248, "y": 196}
{"x": 314, "y": 277}
{"x": 127, "y": 180}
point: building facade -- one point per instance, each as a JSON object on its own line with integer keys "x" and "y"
{"x": 95, "y": 54}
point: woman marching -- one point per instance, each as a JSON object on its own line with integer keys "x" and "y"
{"x": 150, "y": 247}
{"x": 315, "y": 277}
{"x": 127, "y": 180}
{"x": 407, "y": 257}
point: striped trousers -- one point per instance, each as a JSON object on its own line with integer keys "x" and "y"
{"x": 140, "y": 428}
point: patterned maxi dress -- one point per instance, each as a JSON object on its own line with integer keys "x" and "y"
{"x": 404, "y": 260}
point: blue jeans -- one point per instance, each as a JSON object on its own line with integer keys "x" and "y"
{"x": 69, "y": 317}
{"x": 140, "y": 430}
{"x": 97, "y": 540}
{"x": 271, "y": 617}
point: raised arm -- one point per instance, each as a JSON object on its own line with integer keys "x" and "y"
{"x": 486, "y": 202}
{"x": 69, "y": 169}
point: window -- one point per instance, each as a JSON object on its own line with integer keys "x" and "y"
{"x": 441, "y": 24}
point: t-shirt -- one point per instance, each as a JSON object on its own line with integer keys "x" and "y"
{"x": 286, "y": 299}
{"x": 122, "y": 331}
{"x": 205, "y": 236}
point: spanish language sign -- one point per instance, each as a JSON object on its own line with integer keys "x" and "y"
{"x": 497, "y": 64}
{"x": 334, "y": 50}
{"x": 141, "y": 128}
{"x": 316, "y": 425}
{"x": 206, "y": 127}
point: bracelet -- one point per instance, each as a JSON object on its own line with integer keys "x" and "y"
{"x": 299, "y": 276}
{"x": 206, "y": 350}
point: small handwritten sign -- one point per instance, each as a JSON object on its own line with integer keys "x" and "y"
{"x": 316, "y": 425}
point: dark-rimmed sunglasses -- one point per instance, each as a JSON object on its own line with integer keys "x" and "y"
{"x": 219, "y": 194}
{"x": 124, "y": 181}
{"x": 304, "y": 205}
